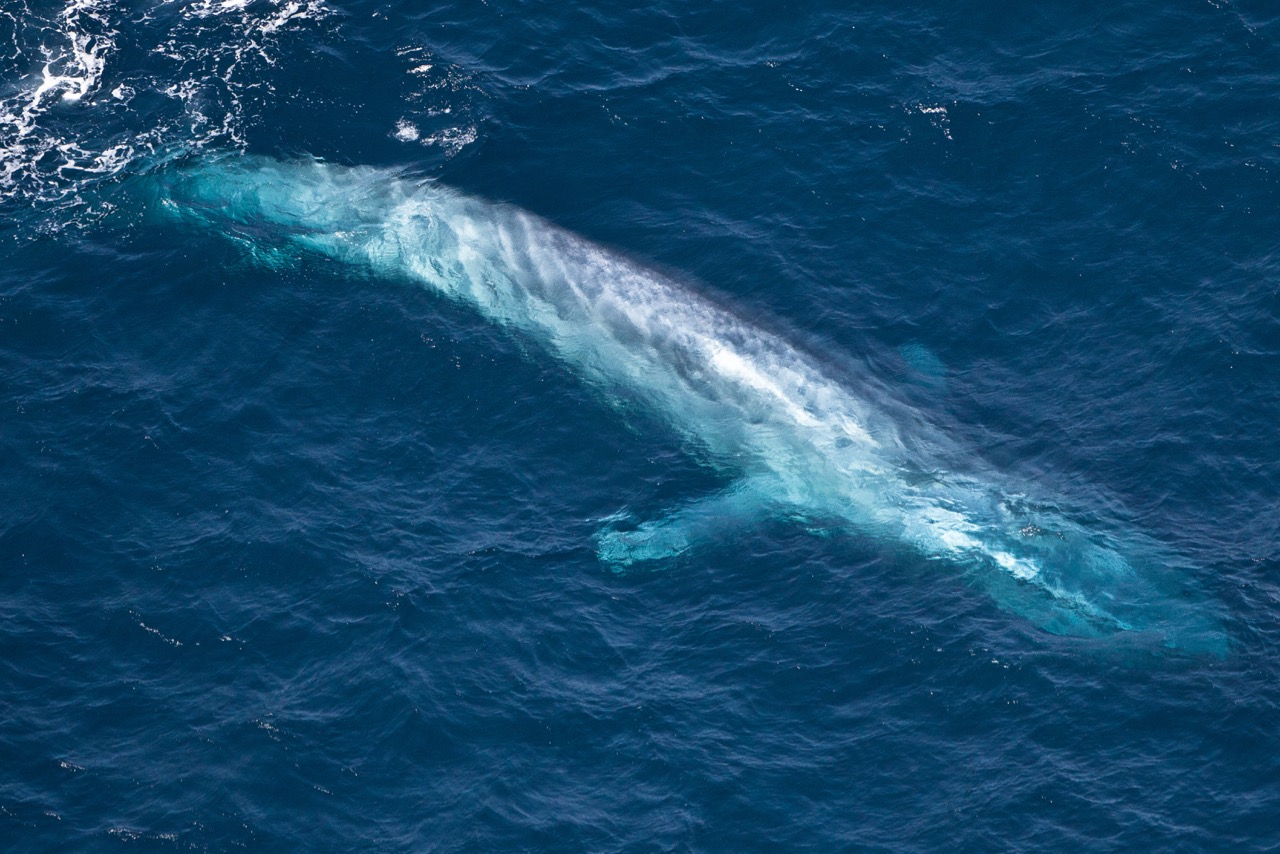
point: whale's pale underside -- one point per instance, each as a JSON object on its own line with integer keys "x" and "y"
{"x": 793, "y": 439}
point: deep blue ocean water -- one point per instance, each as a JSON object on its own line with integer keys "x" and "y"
{"x": 294, "y": 557}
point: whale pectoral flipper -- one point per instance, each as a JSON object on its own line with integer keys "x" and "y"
{"x": 702, "y": 522}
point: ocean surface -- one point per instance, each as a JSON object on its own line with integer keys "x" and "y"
{"x": 297, "y": 555}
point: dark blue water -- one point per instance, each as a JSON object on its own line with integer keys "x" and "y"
{"x": 294, "y": 557}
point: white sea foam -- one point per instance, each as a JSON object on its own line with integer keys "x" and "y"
{"x": 939, "y": 116}
{"x": 72, "y": 116}
{"x": 71, "y": 70}
{"x": 450, "y": 127}
{"x": 452, "y": 140}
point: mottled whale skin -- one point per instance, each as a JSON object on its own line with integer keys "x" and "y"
{"x": 793, "y": 441}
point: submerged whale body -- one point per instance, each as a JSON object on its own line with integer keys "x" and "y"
{"x": 794, "y": 442}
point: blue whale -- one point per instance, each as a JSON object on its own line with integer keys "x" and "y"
{"x": 793, "y": 440}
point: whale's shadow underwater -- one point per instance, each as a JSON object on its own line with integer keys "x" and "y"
{"x": 793, "y": 441}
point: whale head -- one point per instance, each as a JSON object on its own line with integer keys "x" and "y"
{"x": 276, "y": 207}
